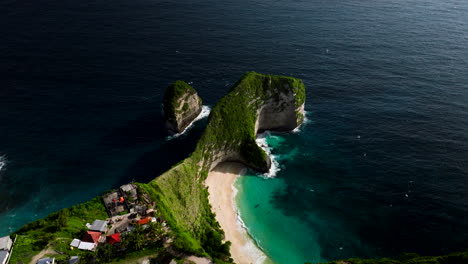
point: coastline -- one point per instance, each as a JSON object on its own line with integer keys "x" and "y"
{"x": 220, "y": 183}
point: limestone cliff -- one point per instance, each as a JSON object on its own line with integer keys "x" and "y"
{"x": 256, "y": 103}
{"x": 181, "y": 106}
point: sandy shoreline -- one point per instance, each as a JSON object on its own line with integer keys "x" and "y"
{"x": 220, "y": 186}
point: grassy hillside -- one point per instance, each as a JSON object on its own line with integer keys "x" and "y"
{"x": 180, "y": 194}
{"x": 231, "y": 128}
{"x": 57, "y": 229}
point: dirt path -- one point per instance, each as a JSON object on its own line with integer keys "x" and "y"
{"x": 199, "y": 260}
{"x": 40, "y": 255}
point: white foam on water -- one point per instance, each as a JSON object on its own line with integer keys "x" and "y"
{"x": 275, "y": 167}
{"x": 251, "y": 248}
{"x": 306, "y": 121}
{"x": 205, "y": 112}
{"x": 3, "y": 162}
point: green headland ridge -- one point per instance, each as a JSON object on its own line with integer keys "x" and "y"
{"x": 255, "y": 103}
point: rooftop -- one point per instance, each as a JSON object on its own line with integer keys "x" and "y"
{"x": 5, "y": 243}
{"x": 87, "y": 246}
{"x": 92, "y": 237}
{"x": 46, "y": 261}
{"x": 74, "y": 260}
{"x": 99, "y": 226}
{"x": 3, "y": 256}
{"x": 75, "y": 243}
{"x": 113, "y": 206}
{"x": 112, "y": 239}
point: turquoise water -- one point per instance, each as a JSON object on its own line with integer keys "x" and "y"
{"x": 283, "y": 239}
{"x": 381, "y": 169}
{"x": 274, "y": 225}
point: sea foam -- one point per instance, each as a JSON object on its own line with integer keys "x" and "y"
{"x": 205, "y": 112}
{"x": 275, "y": 167}
{"x": 305, "y": 122}
{"x": 3, "y": 162}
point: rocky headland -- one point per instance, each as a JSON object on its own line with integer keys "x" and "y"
{"x": 181, "y": 106}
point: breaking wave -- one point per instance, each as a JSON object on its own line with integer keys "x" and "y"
{"x": 3, "y": 162}
{"x": 305, "y": 122}
{"x": 275, "y": 167}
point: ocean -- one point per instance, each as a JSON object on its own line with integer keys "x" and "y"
{"x": 380, "y": 168}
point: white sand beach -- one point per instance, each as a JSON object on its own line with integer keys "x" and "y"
{"x": 220, "y": 186}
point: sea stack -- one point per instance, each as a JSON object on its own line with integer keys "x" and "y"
{"x": 181, "y": 106}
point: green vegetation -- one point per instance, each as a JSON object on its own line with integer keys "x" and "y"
{"x": 181, "y": 197}
{"x": 412, "y": 258}
{"x": 232, "y": 121}
{"x": 140, "y": 242}
{"x": 174, "y": 92}
{"x": 56, "y": 230}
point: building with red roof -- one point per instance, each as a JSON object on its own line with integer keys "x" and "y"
{"x": 144, "y": 221}
{"x": 92, "y": 237}
{"x": 113, "y": 239}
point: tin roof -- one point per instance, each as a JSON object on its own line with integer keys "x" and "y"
{"x": 99, "y": 225}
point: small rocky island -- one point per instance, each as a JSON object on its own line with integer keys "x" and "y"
{"x": 181, "y": 106}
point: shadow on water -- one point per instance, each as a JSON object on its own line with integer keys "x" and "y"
{"x": 146, "y": 129}
{"x": 158, "y": 160}
{"x": 159, "y": 151}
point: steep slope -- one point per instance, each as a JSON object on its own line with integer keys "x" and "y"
{"x": 255, "y": 103}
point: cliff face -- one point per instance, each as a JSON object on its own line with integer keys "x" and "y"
{"x": 280, "y": 114}
{"x": 181, "y": 106}
{"x": 255, "y": 103}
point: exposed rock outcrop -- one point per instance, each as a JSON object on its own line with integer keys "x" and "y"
{"x": 181, "y": 106}
{"x": 254, "y": 104}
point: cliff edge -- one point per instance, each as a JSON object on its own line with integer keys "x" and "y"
{"x": 181, "y": 106}
{"x": 255, "y": 103}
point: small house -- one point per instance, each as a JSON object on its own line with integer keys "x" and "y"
{"x": 75, "y": 243}
{"x": 87, "y": 246}
{"x": 91, "y": 237}
{"x": 130, "y": 191}
{"x": 144, "y": 221}
{"x": 46, "y": 261}
{"x": 83, "y": 245}
{"x": 4, "y": 256}
{"x": 74, "y": 260}
{"x": 6, "y": 243}
{"x": 99, "y": 226}
{"x": 113, "y": 239}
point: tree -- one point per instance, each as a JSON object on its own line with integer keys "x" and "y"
{"x": 86, "y": 257}
{"x": 154, "y": 231}
{"x": 105, "y": 253}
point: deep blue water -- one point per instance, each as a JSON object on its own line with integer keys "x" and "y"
{"x": 81, "y": 84}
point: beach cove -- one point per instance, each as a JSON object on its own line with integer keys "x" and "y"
{"x": 220, "y": 183}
